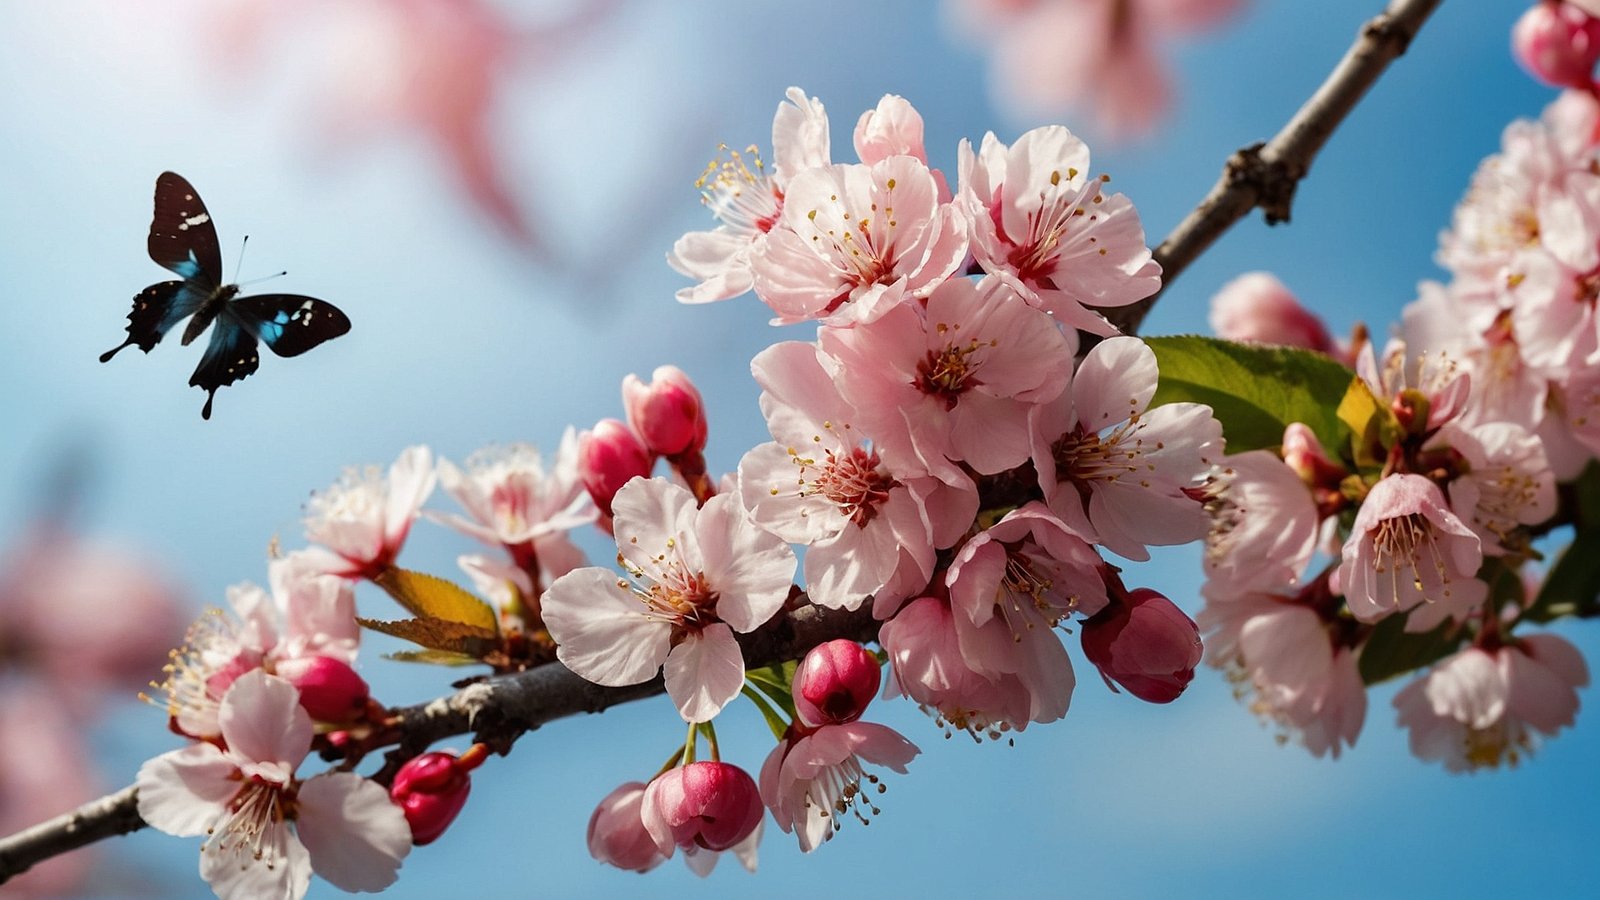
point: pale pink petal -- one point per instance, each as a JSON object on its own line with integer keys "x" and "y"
{"x": 651, "y": 515}
{"x": 262, "y": 721}
{"x": 185, "y": 792}
{"x": 1116, "y": 378}
{"x": 355, "y": 835}
{"x": 705, "y": 672}
{"x": 799, "y": 134}
{"x": 602, "y": 631}
{"x": 1468, "y": 688}
{"x": 235, "y": 873}
{"x": 750, "y": 569}
{"x": 411, "y": 480}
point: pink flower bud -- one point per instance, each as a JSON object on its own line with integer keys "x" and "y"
{"x": 1257, "y": 307}
{"x": 608, "y": 458}
{"x": 712, "y": 805}
{"x": 892, "y": 128}
{"x": 1144, "y": 643}
{"x": 1304, "y": 454}
{"x": 432, "y": 788}
{"x": 834, "y": 683}
{"x": 330, "y": 691}
{"x": 667, "y": 413}
{"x": 1558, "y": 44}
{"x": 617, "y": 836}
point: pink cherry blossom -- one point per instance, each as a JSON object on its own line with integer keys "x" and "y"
{"x": 1263, "y": 523}
{"x": 1557, "y": 43}
{"x": 1507, "y": 482}
{"x": 811, "y": 781}
{"x": 854, "y": 241}
{"x": 244, "y": 798}
{"x": 1050, "y": 56}
{"x": 1480, "y": 708}
{"x": 834, "y": 683}
{"x": 60, "y": 592}
{"x": 1257, "y": 307}
{"x": 1039, "y": 217}
{"x": 822, "y": 483}
{"x": 1145, "y": 643}
{"x": 696, "y": 575}
{"x": 1553, "y": 310}
{"x": 1115, "y": 470}
{"x": 707, "y": 805}
{"x": 511, "y": 498}
{"x": 617, "y": 836}
{"x": 1505, "y": 388}
{"x": 667, "y": 413}
{"x": 306, "y": 616}
{"x": 1406, "y": 548}
{"x": 928, "y": 659}
{"x": 1280, "y": 655}
{"x": 954, "y": 382}
{"x": 1423, "y": 390}
{"x": 609, "y": 456}
{"x": 364, "y": 519}
{"x": 747, "y": 201}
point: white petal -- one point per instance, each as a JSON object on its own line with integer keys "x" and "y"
{"x": 603, "y": 631}
{"x": 235, "y": 873}
{"x": 355, "y": 834}
{"x": 704, "y": 673}
{"x": 262, "y": 721}
{"x": 750, "y": 569}
{"x": 184, "y": 792}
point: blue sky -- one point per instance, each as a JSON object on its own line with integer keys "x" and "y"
{"x": 460, "y": 341}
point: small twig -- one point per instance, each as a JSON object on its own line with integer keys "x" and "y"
{"x": 96, "y": 820}
{"x": 499, "y": 710}
{"x": 1265, "y": 175}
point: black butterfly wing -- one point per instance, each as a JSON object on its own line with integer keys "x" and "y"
{"x": 155, "y": 310}
{"x": 230, "y": 356}
{"x": 182, "y": 237}
{"x": 290, "y": 324}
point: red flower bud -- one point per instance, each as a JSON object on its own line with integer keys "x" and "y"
{"x": 713, "y": 805}
{"x": 667, "y": 413}
{"x": 609, "y": 457}
{"x": 1144, "y": 643}
{"x": 432, "y": 788}
{"x": 330, "y": 691}
{"x": 1558, "y": 44}
{"x": 617, "y": 836}
{"x": 835, "y": 682}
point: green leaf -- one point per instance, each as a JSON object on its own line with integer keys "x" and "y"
{"x": 1390, "y": 652}
{"x": 775, "y": 682}
{"x": 775, "y": 722}
{"x": 428, "y": 597}
{"x": 432, "y": 657}
{"x": 1573, "y": 586}
{"x": 1257, "y": 391}
{"x": 439, "y": 634}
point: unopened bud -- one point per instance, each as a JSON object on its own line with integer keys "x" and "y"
{"x": 1145, "y": 643}
{"x": 330, "y": 691}
{"x": 892, "y": 128}
{"x": 1257, "y": 307}
{"x": 1558, "y": 44}
{"x": 617, "y": 836}
{"x": 708, "y": 804}
{"x": 610, "y": 456}
{"x": 432, "y": 788}
{"x": 667, "y": 413}
{"x": 835, "y": 682}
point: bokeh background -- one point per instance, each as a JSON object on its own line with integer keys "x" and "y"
{"x": 504, "y": 269}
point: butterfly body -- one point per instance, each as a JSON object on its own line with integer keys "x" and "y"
{"x": 183, "y": 239}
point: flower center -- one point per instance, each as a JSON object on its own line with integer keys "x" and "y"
{"x": 1086, "y": 456}
{"x": 852, "y": 481}
{"x": 1035, "y": 255}
{"x": 948, "y": 373}
{"x": 739, "y": 192}
{"x": 837, "y": 791}
{"x": 254, "y": 830}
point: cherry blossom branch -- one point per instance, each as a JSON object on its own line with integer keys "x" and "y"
{"x": 498, "y": 710}
{"x": 1265, "y": 175}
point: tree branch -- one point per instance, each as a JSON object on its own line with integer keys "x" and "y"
{"x": 499, "y": 710}
{"x": 1266, "y": 175}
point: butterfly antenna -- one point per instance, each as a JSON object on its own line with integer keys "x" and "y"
{"x": 263, "y": 278}
{"x": 239, "y": 266}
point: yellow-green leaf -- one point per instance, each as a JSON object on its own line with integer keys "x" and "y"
{"x": 432, "y": 657}
{"x": 439, "y": 634}
{"x": 428, "y": 597}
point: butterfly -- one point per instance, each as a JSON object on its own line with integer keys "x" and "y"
{"x": 183, "y": 239}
